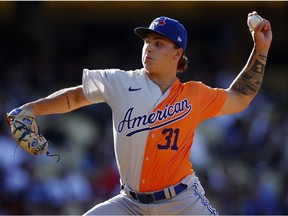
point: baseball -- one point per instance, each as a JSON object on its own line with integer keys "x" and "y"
{"x": 253, "y": 21}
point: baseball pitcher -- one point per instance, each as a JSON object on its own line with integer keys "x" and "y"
{"x": 154, "y": 119}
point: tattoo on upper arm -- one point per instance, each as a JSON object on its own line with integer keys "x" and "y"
{"x": 68, "y": 101}
{"x": 249, "y": 81}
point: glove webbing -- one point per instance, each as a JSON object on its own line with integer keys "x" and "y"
{"x": 21, "y": 127}
{"x": 27, "y": 130}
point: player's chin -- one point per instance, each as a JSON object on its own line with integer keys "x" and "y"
{"x": 148, "y": 66}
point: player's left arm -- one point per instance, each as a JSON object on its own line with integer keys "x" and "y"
{"x": 246, "y": 85}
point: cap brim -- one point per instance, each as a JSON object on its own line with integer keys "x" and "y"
{"x": 143, "y": 31}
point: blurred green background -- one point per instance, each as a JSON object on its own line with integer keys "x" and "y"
{"x": 241, "y": 159}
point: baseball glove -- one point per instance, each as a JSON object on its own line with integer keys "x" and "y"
{"x": 25, "y": 132}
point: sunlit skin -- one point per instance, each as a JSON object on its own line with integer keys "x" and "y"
{"x": 160, "y": 59}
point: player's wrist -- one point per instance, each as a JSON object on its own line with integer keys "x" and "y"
{"x": 261, "y": 53}
{"x": 262, "y": 49}
{"x": 28, "y": 108}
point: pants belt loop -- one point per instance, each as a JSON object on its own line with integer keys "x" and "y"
{"x": 172, "y": 191}
{"x": 167, "y": 193}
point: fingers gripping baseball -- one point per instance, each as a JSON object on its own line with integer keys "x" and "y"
{"x": 261, "y": 31}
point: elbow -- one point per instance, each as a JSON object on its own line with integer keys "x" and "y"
{"x": 236, "y": 102}
{"x": 244, "y": 101}
{"x": 244, "y": 105}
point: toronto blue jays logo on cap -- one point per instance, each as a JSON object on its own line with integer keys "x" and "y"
{"x": 158, "y": 22}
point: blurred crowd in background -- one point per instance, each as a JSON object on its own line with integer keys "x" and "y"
{"x": 241, "y": 160}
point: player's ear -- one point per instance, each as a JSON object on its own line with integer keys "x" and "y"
{"x": 179, "y": 53}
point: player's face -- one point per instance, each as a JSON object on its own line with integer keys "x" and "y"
{"x": 159, "y": 53}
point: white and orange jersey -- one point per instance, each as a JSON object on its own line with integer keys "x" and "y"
{"x": 153, "y": 132}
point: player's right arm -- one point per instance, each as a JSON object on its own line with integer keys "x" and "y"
{"x": 246, "y": 85}
{"x": 62, "y": 101}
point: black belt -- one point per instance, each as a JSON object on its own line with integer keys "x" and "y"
{"x": 156, "y": 196}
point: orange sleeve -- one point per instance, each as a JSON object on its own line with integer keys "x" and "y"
{"x": 211, "y": 101}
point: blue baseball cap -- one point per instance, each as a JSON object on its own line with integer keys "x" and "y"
{"x": 169, "y": 28}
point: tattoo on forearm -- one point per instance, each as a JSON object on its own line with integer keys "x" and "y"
{"x": 67, "y": 101}
{"x": 249, "y": 81}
